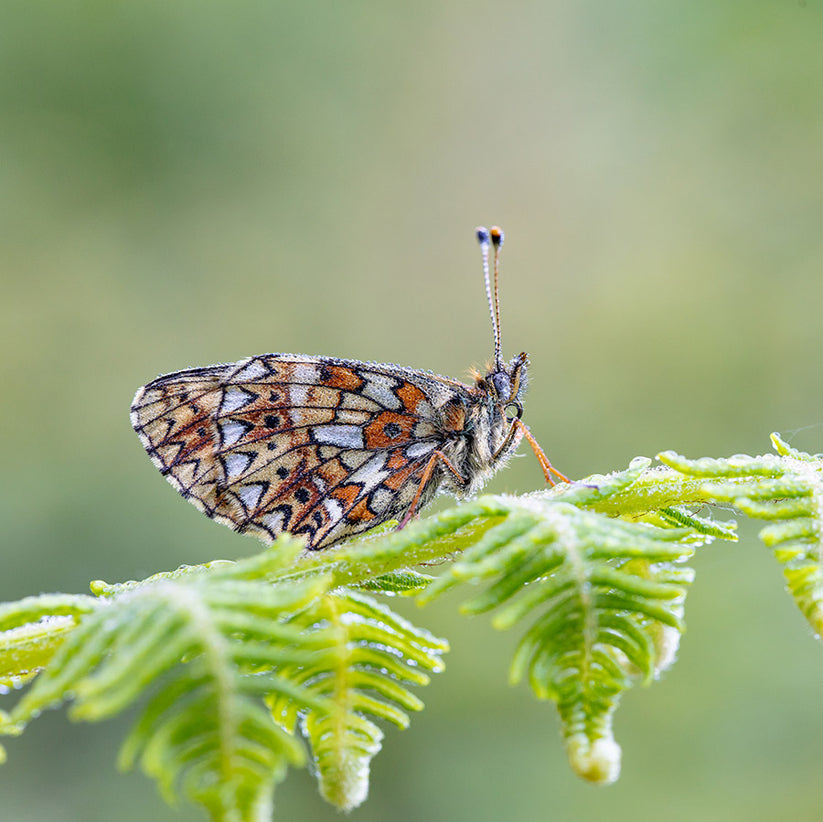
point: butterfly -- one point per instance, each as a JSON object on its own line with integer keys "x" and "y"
{"x": 329, "y": 448}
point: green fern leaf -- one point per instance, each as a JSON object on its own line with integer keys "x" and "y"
{"x": 786, "y": 489}
{"x": 608, "y": 599}
{"x": 32, "y": 630}
{"x": 206, "y": 732}
{"x": 398, "y": 582}
{"x": 372, "y": 654}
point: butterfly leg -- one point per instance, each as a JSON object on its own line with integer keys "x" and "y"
{"x": 548, "y": 468}
{"x": 427, "y": 473}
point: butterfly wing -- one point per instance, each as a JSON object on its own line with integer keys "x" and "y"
{"x": 316, "y": 446}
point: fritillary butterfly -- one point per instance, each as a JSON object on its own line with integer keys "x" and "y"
{"x": 329, "y": 448}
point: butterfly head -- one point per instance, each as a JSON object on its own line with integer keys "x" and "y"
{"x": 504, "y": 382}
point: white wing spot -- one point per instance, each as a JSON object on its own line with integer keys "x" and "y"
{"x": 298, "y": 394}
{"x": 231, "y": 432}
{"x": 250, "y": 495}
{"x": 237, "y": 463}
{"x": 274, "y": 522}
{"x": 380, "y": 390}
{"x": 333, "y": 509}
{"x": 254, "y": 370}
{"x": 304, "y": 372}
{"x": 234, "y": 398}
{"x": 343, "y": 436}
{"x": 371, "y": 474}
{"x": 418, "y": 449}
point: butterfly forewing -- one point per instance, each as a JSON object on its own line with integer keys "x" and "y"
{"x": 316, "y": 446}
{"x": 329, "y": 448}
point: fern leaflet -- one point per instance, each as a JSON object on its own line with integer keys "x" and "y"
{"x": 372, "y": 655}
{"x": 786, "y": 489}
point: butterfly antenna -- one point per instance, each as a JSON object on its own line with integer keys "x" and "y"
{"x": 495, "y": 238}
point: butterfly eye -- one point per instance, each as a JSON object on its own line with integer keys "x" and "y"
{"x": 514, "y": 410}
{"x": 502, "y": 385}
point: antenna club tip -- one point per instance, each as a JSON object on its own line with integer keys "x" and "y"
{"x": 482, "y": 234}
{"x": 497, "y": 236}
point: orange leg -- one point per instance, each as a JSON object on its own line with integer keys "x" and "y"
{"x": 427, "y": 473}
{"x": 548, "y": 468}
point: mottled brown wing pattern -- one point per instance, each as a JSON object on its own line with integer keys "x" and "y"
{"x": 316, "y": 446}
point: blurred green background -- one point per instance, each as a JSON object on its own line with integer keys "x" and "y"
{"x": 193, "y": 182}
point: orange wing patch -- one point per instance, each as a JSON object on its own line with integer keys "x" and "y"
{"x": 411, "y": 397}
{"x": 338, "y": 376}
{"x": 400, "y": 477}
{"x": 347, "y": 494}
{"x": 361, "y": 512}
{"x": 388, "y": 430}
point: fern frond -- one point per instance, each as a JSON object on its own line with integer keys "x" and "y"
{"x": 785, "y": 489}
{"x": 607, "y": 600}
{"x": 372, "y": 654}
{"x": 595, "y": 566}
{"x": 206, "y": 732}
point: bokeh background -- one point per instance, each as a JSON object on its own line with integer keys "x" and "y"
{"x": 193, "y": 182}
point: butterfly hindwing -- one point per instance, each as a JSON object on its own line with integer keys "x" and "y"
{"x": 317, "y": 446}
